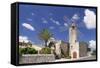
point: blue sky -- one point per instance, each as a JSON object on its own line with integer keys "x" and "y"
{"x": 34, "y": 18}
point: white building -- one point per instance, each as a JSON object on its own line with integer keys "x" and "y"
{"x": 74, "y": 45}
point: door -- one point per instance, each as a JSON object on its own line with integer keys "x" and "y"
{"x": 74, "y": 55}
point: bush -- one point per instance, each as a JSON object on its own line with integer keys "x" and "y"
{"x": 68, "y": 57}
{"x": 21, "y": 51}
{"x": 45, "y": 50}
{"x": 27, "y": 50}
{"x": 94, "y": 52}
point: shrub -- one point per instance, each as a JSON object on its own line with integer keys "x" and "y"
{"x": 68, "y": 57}
{"x": 32, "y": 51}
{"x": 94, "y": 52}
{"x": 21, "y": 51}
{"x": 45, "y": 50}
{"x": 27, "y": 50}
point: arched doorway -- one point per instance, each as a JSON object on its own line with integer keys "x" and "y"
{"x": 74, "y": 54}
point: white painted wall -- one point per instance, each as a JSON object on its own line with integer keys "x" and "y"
{"x": 75, "y": 48}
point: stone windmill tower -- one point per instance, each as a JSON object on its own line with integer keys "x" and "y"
{"x": 74, "y": 45}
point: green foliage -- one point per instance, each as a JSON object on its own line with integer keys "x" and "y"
{"x": 88, "y": 49}
{"x": 45, "y": 50}
{"x": 51, "y": 44}
{"x": 27, "y": 50}
{"x": 45, "y": 35}
{"x": 68, "y": 57}
{"x": 94, "y": 52}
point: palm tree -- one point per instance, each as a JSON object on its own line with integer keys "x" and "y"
{"x": 45, "y": 36}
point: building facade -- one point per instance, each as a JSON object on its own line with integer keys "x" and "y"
{"x": 73, "y": 43}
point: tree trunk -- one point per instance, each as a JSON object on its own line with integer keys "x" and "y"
{"x": 46, "y": 43}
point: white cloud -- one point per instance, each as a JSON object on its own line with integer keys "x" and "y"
{"x": 28, "y": 26}
{"x": 57, "y": 22}
{"x": 65, "y": 24}
{"x": 75, "y": 17}
{"x": 92, "y": 44}
{"x": 23, "y": 39}
{"x": 33, "y": 14}
{"x": 54, "y": 21}
{"x": 90, "y": 19}
{"x": 51, "y": 27}
{"x": 44, "y": 20}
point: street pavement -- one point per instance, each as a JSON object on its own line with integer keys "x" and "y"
{"x": 81, "y": 58}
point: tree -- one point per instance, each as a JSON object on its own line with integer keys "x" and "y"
{"x": 88, "y": 49}
{"x": 45, "y": 50}
{"x": 94, "y": 52}
{"x": 45, "y": 35}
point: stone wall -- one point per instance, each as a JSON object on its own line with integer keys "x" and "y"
{"x": 36, "y": 58}
{"x": 83, "y": 49}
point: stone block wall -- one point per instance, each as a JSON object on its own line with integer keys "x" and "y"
{"x": 36, "y": 58}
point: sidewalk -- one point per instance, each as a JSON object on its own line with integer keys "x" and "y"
{"x": 81, "y": 58}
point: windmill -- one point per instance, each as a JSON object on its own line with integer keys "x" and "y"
{"x": 73, "y": 34}
{"x": 69, "y": 23}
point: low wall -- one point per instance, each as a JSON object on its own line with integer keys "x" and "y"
{"x": 36, "y": 58}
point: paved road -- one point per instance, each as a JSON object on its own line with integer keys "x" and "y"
{"x": 81, "y": 58}
{"x": 88, "y": 58}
